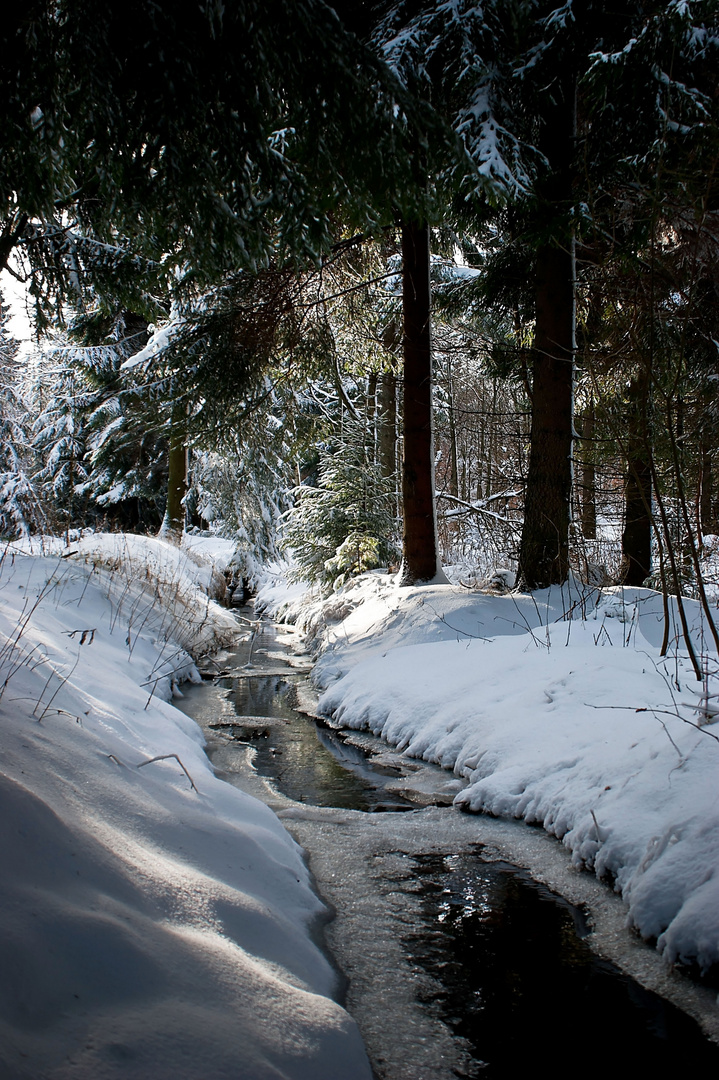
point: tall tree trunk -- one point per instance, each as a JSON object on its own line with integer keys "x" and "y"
{"x": 544, "y": 552}
{"x": 420, "y": 559}
{"x": 453, "y": 468}
{"x": 544, "y": 549}
{"x": 705, "y": 488}
{"x": 174, "y": 520}
{"x": 637, "y": 532}
{"x": 707, "y": 519}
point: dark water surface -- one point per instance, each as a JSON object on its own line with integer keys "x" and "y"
{"x": 518, "y": 981}
{"x": 306, "y": 761}
{"x": 515, "y": 977}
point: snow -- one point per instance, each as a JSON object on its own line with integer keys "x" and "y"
{"x": 160, "y": 340}
{"x": 155, "y": 921}
{"x": 557, "y": 709}
{"x": 158, "y": 922}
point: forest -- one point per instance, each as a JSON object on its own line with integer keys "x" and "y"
{"x": 402, "y": 318}
{"x": 230, "y": 347}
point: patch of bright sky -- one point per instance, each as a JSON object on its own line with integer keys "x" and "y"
{"x": 15, "y": 296}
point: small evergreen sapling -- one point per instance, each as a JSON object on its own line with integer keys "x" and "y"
{"x": 62, "y": 398}
{"x": 19, "y": 507}
{"x": 345, "y": 525}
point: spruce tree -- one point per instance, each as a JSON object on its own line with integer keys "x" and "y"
{"x": 20, "y": 509}
{"x": 61, "y": 399}
{"x": 345, "y": 524}
{"x": 251, "y": 126}
{"x": 510, "y": 76}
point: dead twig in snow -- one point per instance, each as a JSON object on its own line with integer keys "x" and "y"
{"x": 164, "y": 757}
{"x": 656, "y": 713}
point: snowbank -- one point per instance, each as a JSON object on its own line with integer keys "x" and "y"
{"x": 558, "y": 709}
{"x": 155, "y": 921}
{"x": 286, "y": 601}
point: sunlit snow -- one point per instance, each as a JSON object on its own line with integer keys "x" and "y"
{"x": 556, "y": 708}
{"x": 155, "y": 921}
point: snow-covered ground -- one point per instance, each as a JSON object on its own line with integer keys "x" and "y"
{"x": 155, "y": 921}
{"x": 556, "y": 708}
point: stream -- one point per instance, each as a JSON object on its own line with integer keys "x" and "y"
{"x": 454, "y": 933}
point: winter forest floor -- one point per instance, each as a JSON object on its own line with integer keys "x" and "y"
{"x": 155, "y": 918}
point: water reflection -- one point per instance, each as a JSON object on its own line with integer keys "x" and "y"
{"x": 306, "y": 761}
{"x": 513, "y": 974}
{"x": 517, "y": 981}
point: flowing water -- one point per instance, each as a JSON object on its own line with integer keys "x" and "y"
{"x": 260, "y": 699}
{"x": 510, "y": 956}
{"x": 308, "y": 761}
{"x": 497, "y": 969}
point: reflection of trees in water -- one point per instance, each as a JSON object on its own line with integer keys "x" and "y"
{"x": 508, "y": 957}
{"x": 267, "y": 695}
{"x": 299, "y": 756}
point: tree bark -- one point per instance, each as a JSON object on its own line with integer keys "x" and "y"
{"x": 453, "y": 467}
{"x": 387, "y": 435}
{"x": 544, "y": 552}
{"x": 589, "y": 478}
{"x": 544, "y": 549}
{"x": 706, "y": 517}
{"x": 420, "y": 561}
{"x": 174, "y": 521}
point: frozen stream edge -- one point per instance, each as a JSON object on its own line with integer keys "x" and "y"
{"x": 356, "y": 859}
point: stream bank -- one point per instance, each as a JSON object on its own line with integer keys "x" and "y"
{"x": 368, "y": 866}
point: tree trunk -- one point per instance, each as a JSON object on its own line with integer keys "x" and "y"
{"x": 174, "y": 521}
{"x": 637, "y": 532}
{"x": 387, "y": 436}
{"x": 707, "y": 521}
{"x": 453, "y": 469}
{"x": 705, "y": 497}
{"x": 420, "y": 561}
{"x": 544, "y": 552}
{"x": 544, "y": 549}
